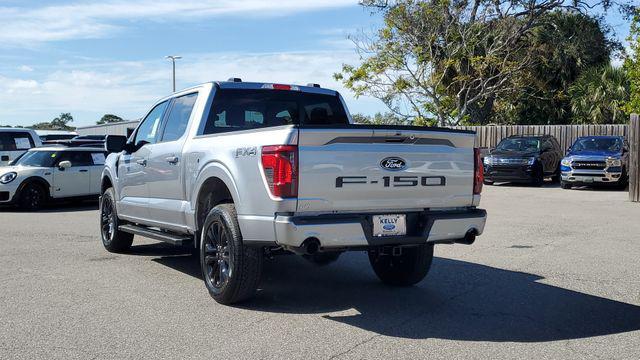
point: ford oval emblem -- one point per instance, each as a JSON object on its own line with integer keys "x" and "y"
{"x": 393, "y": 164}
{"x": 388, "y": 227}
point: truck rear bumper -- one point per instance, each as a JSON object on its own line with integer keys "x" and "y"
{"x": 355, "y": 230}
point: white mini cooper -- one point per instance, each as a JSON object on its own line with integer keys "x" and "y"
{"x": 48, "y": 173}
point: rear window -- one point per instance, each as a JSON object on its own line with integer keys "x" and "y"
{"x": 241, "y": 109}
{"x": 12, "y": 141}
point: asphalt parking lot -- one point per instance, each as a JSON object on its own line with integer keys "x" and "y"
{"x": 554, "y": 276}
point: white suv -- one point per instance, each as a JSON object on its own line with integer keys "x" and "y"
{"x": 14, "y": 142}
{"x": 47, "y": 173}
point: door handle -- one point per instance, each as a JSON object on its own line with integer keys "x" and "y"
{"x": 84, "y": 170}
{"x": 142, "y": 162}
{"x": 172, "y": 160}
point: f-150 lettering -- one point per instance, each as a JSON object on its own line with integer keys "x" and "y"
{"x": 393, "y": 181}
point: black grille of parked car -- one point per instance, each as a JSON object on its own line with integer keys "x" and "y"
{"x": 589, "y": 165}
{"x": 4, "y": 195}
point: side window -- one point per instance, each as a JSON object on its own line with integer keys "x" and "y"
{"x": 11, "y": 141}
{"x": 98, "y": 158}
{"x": 148, "y": 130}
{"x": 77, "y": 158}
{"x": 178, "y": 118}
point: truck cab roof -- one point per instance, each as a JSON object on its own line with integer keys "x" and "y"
{"x": 273, "y": 86}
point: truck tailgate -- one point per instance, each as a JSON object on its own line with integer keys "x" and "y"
{"x": 363, "y": 168}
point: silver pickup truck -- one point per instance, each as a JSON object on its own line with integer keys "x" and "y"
{"x": 243, "y": 171}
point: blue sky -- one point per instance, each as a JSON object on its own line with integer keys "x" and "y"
{"x": 95, "y": 57}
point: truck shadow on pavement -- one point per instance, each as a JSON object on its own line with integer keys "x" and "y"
{"x": 457, "y": 301}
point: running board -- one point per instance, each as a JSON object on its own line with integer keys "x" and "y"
{"x": 156, "y": 235}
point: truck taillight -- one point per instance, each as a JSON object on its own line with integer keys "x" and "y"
{"x": 280, "y": 166}
{"x": 478, "y": 176}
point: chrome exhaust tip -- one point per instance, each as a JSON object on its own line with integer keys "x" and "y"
{"x": 469, "y": 238}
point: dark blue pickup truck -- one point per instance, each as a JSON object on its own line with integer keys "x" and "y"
{"x": 596, "y": 160}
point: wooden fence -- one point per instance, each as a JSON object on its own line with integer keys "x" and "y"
{"x": 634, "y": 158}
{"x": 489, "y": 136}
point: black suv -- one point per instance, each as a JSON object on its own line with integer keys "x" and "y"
{"x": 526, "y": 159}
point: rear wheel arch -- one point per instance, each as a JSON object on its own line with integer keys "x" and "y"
{"x": 211, "y": 172}
{"x": 105, "y": 183}
{"x": 212, "y": 192}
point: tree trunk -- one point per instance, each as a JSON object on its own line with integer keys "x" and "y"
{"x": 480, "y": 113}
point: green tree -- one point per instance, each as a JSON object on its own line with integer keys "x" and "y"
{"x": 387, "y": 118}
{"x": 59, "y": 123}
{"x": 448, "y": 61}
{"x": 565, "y": 46}
{"x": 632, "y": 64}
{"x": 109, "y": 118}
{"x": 598, "y": 96}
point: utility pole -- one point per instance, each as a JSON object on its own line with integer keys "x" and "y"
{"x": 173, "y": 59}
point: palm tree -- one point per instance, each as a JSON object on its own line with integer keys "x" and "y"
{"x": 598, "y": 95}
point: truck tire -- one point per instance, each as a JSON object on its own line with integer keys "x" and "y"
{"x": 231, "y": 271}
{"x": 537, "y": 178}
{"x": 32, "y": 197}
{"x": 406, "y": 269}
{"x": 624, "y": 180}
{"x": 114, "y": 240}
{"x": 565, "y": 185}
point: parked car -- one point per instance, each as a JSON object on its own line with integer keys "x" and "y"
{"x": 596, "y": 160}
{"x": 527, "y": 159}
{"x": 52, "y": 135}
{"x": 14, "y": 142}
{"x": 51, "y": 173}
{"x": 240, "y": 171}
{"x": 80, "y": 140}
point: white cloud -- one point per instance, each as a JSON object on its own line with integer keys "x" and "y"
{"x": 87, "y": 20}
{"x": 25, "y": 68}
{"x": 129, "y": 88}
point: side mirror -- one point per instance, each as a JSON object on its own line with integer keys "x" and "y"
{"x": 115, "y": 143}
{"x": 64, "y": 165}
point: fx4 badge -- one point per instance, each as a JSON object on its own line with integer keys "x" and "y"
{"x": 246, "y": 151}
{"x": 393, "y": 164}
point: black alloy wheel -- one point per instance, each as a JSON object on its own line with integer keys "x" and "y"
{"x": 32, "y": 197}
{"x": 113, "y": 239}
{"x": 107, "y": 220}
{"x": 217, "y": 257}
